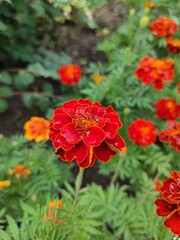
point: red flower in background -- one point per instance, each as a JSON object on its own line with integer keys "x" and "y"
{"x": 178, "y": 87}
{"x": 158, "y": 72}
{"x": 84, "y": 131}
{"x": 70, "y": 74}
{"x": 169, "y": 205}
{"x": 167, "y": 108}
{"x": 163, "y": 27}
{"x": 142, "y": 132}
{"x": 173, "y": 45}
{"x": 171, "y": 135}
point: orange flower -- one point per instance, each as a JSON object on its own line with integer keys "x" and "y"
{"x": 156, "y": 71}
{"x": 167, "y": 108}
{"x": 5, "y": 183}
{"x": 149, "y": 5}
{"x": 51, "y": 216}
{"x": 70, "y": 74}
{"x": 97, "y": 78}
{"x": 37, "y": 128}
{"x": 163, "y": 27}
{"x": 20, "y": 171}
{"x": 173, "y": 45}
{"x": 171, "y": 135}
{"x": 142, "y": 132}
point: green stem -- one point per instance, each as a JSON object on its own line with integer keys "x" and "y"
{"x": 116, "y": 174}
{"x": 78, "y": 184}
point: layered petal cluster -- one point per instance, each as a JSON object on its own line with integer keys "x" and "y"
{"x": 5, "y": 183}
{"x": 37, "y": 128}
{"x": 20, "y": 171}
{"x": 84, "y": 131}
{"x": 169, "y": 205}
{"x": 167, "y": 108}
{"x": 70, "y": 74}
{"x": 155, "y": 71}
{"x": 163, "y": 27}
{"x": 171, "y": 135}
{"x": 173, "y": 45}
{"x": 142, "y": 132}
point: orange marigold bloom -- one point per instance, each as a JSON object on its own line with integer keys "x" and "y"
{"x": 37, "y": 128}
{"x": 163, "y": 27}
{"x": 156, "y": 71}
{"x": 173, "y": 45}
{"x": 149, "y": 5}
{"x": 51, "y": 216}
{"x": 70, "y": 74}
{"x": 142, "y": 132}
{"x": 171, "y": 135}
{"x": 20, "y": 171}
{"x": 97, "y": 78}
{"x": 5, "y": 183}
{"x": 167, "y": 108}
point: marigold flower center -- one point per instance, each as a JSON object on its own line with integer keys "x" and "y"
{"x": 84, "y": 122}
{"x": 145, "y": 130}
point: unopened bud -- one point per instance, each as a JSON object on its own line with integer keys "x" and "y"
{"x": 126, "y": 110}
{"x": 144, "y": 21}
{"x": 132, "y": 12}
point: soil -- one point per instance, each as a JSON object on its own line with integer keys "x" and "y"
{"x": 80, "y": 43}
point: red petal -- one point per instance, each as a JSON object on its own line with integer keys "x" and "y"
{"x": 117, "y": 142}
{"x": 163, "y": 207}
{"x": 60, "y": 141}
{"x": 89, "y": 160}
{"x": 103, "y": 152}
{"x": 85, "y": 101}
{"x": 78, "y": 152}
{"x": 110, "y": 129}
{"x": 70, "y": 133}
{"x": 112, "y": 116}
{"x": 70, "y": 104}
{"x": 97, "y": 112}
{"x": 60, "y": 120}
{"x": 93, "y": 136}
{"x": 173, "y": 223}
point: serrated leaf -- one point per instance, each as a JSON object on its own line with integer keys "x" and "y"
{"x": 13, "y": 228}
{"x": 27, "y": 208}
{"x": 23, "y": 80}
{"x": 5, "y": 91}
{"x": 4, "y": 235}
{"x": 3, "y": 105}
{"x": 5, "y": 78}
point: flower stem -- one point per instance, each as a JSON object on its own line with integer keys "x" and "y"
{"x": 116, "y": 173}
{"x": 78, "y": 184}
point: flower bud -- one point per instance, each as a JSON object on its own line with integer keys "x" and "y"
{"x": 132, "y": 12}
{"x": 144, "y": 21}
{"x": 126, "y": 110}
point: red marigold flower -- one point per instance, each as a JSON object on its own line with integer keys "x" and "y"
{"x": 156, "y": 71}
{"x": 142, "y": 132}
{"x": 20, "y": 171}
{"x": 70, "y": 74}
{"x": 178, "y": 87}
{"x": 84, "y": 131}
{"x": 171, "y": 135}
{"x": 169, "y": 205}
{"x": 167, "y": 108}
{"x": 163, "y": 27}
{"x": 173, "y": 45}
{"x": 37, "y": 129}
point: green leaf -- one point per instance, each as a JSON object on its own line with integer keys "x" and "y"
{"x": 28, "y": 209}
{"x": 13, "y": 227}
{"x": 2, "y": 26}
{"x": 29, "y": 100}
{"x": 47, "y": 88}
{"x": 39, "y": 70}
{"x": 5, "y": 78}
{"x": 4, "y": 235}
{"x": 44, "y": 103}
{"x": 3, "y": 105}
{"x": 5, "y": 91}
{"x": 23, "y": 80}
